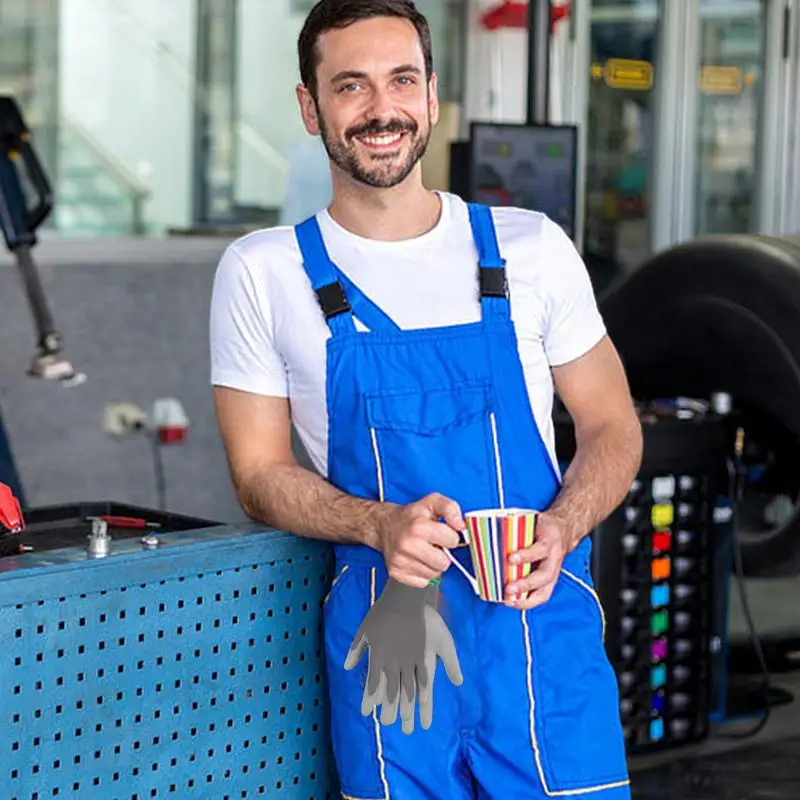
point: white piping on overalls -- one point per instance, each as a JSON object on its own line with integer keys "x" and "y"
{"x": 528, "y": 655}
{"x": 534, "y": 742}
{"x": 497, "y": 464}
{"x": 532, "y": 703}
{"x": 593, "y": 593}
{"x": 379, "y": 471}
{"x": 334, "y": 582}
{"x": 378, "y": 465}
{"x": 381, "y": 762}
{"x": 529, "y": 660}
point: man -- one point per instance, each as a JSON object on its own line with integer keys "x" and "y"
{"x": 415, "y": 343}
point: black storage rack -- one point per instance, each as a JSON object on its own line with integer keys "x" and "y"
{"x": 661, "y": 565}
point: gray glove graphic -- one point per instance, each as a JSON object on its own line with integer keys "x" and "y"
{"x": 405, "y": 635}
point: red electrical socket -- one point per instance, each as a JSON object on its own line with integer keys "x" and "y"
{"x": 11, "y": 518}
{"x": 170, "y": 421}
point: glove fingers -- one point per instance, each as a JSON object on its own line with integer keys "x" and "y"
{"x": 391, "y": 698}
{"x": 370, "y": 700}
{"x": 356, "y": 650}
{"x": 446, "y": 648}
{"x": 373, "y": 690}
{"x": 408, "y": 725}
{"x": 408, "y": 691}
{"x": 425, "y": 675}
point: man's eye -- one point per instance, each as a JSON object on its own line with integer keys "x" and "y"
{"x": 406, "y": 80}
{"x": 349, "y": 87}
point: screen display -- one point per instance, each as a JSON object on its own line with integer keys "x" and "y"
{"x": 527, "y": 166}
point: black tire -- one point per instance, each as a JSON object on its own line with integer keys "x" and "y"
{"x": 720, "y": 313}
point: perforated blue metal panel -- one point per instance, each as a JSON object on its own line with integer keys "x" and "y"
{"x": 193, "y": 671}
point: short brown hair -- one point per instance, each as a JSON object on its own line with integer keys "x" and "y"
{"x": 334, "y": 14}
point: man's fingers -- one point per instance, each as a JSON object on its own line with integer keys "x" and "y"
{"x": 536, "y": 580}
{"x": 545, "y": 573}
{"x": 537, "y": 598}
{"x": 451, "y": 514}
{"x": 443, "y": 535}
{"x": 530, "y": 555}
{"x": 356, "y": 650}
{"x": 447, "y": 509}
{"x": 419, "y": 561}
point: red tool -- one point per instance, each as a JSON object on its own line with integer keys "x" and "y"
{"x": 126, "y": 522}
{"x": 11, "y": 517}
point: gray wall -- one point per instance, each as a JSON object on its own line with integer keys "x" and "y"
{"x": 134, "y": 316}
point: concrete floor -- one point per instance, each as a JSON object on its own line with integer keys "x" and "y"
{"x": 784, "y": 722}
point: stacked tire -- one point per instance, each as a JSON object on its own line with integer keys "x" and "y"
{"x": 722, "y": 314}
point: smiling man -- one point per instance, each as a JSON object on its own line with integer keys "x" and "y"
{"x": 415, "y": 341}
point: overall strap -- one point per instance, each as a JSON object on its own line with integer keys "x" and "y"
{"x": 339, "y": 297}
{"x": 374, "y": 317}
{"x": 492, "y": 272}
{"x": 322, "y": 274}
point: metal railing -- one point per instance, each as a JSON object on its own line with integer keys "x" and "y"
{"x": 127, "y": 181}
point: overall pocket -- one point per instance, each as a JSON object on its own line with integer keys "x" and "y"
{"x": 575, "y": 696}
{"x": 340, "y": 573}
{"x": 436, "y": 440}
{"x": 356, "y": 739}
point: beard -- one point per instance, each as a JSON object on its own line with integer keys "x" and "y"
{"x": 377, "y": 171}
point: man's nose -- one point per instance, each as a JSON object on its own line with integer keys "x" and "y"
{"x": 381, "y": 105}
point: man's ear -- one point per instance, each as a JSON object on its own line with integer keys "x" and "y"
{"x": 308, "y": 109}
{"x": 433, "y": 99}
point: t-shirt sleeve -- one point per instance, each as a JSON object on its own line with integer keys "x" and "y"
{"x": 242, "y": 343}
{"x": 574, "y": 324}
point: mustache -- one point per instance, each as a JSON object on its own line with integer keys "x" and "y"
{"x": 376, "y": 128}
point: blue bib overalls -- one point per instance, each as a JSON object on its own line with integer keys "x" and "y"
{"x": 447, "y": 410}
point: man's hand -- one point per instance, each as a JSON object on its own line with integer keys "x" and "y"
{"x": 411, "y": 538}
{"x": 546, "y": 555}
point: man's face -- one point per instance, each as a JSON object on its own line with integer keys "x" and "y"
{"x": 374, "y": 108}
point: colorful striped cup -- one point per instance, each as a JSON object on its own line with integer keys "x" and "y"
{"x": 493, "y": 535}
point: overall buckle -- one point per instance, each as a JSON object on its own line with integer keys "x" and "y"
{"x": 493, "y": 282}
{"x": 333, "y": 300}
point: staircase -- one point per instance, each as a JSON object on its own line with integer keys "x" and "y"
{"x": 96, "y": 195}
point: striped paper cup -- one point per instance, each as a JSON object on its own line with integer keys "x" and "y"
{"x": 493, "y": 535}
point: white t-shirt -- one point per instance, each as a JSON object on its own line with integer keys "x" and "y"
{"x": 268, "y": 335}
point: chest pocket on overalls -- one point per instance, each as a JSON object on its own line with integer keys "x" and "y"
{"x": 436, "y": 440}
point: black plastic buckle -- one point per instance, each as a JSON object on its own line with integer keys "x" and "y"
{"x": 493, "y": 282}
{"x": 333, "y": 300}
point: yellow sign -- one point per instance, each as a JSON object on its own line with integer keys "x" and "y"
{"x": 626, "y": 73}
{"x": 721, "y": 80}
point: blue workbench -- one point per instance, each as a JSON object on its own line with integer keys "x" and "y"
{"x": 193, "y": 670}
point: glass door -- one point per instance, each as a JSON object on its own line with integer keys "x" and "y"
{"x": 675, "y": 118}
{"x": 729, "y": 85}
{"x": 619, "y": 124}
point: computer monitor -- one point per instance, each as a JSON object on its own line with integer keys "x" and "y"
{"x": 527, "y": 166}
